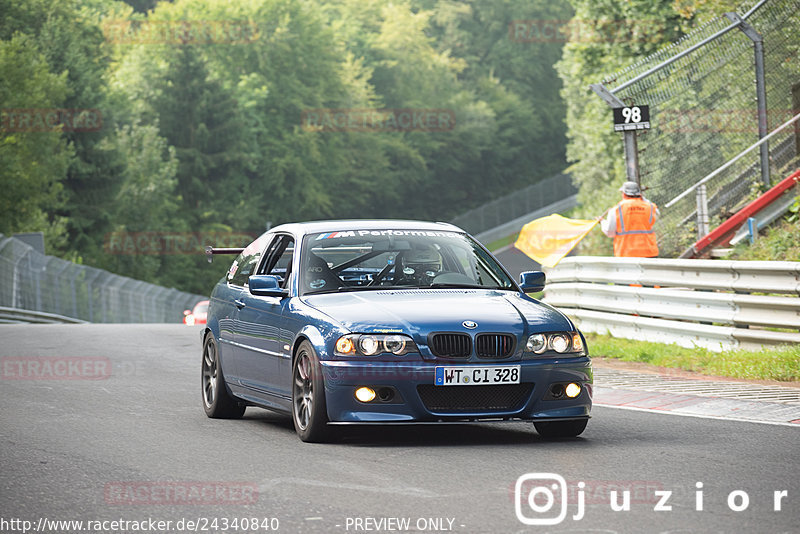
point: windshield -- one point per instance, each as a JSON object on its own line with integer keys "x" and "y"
{"x": 361, "y": 260}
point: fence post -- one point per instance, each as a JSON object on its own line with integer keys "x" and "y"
{"x": 761, "y": 90}
{"x": 14, "y": 282}
{"x": 90, "y": 294}
{"x": 75, "y": 273}
{"x": 702, "y": 212}
{"x": 38, "y": 281}
{"x": 55, "y": 288}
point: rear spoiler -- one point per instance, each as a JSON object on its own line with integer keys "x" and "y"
{"x": 210, "y": 251}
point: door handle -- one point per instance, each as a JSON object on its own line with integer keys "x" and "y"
{"x": 239, "y": 303}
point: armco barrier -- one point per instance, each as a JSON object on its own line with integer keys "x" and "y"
{"x": 714, "y": 304}
{"x": 16, "y": 315}
{"x": 34, "y": 282}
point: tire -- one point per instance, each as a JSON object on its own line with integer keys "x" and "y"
{"x": 561, "y": 429}
{"x": 217, "y": 403}
{"x": 309, "y": 412}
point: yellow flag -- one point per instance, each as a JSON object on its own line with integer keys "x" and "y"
{"x": 550, "y": 238}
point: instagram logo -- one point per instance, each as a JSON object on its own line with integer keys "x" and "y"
{"x": 540, "y": 493}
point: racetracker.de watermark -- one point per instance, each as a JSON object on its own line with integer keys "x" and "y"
{"x": 180, "y": 32}
{"x": 201, "y": 493}
{"x": 378, "y": 120}
{"x": 50, "y": 120}
{"x": 171, "y": 243}
{"x": 718, "y": 120}
{"x": 586, "y": 31}
{"x": 55, "y": 368}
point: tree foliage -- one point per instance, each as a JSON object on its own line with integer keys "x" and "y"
{"x": 204, "y": 132}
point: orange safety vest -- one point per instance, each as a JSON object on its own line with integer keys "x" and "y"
{"x": 635, "y": 237}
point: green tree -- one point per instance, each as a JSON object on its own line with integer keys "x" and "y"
{"x": 200, "y": 118}
{"x": 33, "y": 164}
{"x": 74, "y": 48}
{"x": 613, "y": 34}
{"x": 146, "y": 202}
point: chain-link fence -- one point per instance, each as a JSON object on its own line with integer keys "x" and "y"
{"x": 33, "y": 281}
{"x": 703, "y": 112}
{"x": 516, "y": 204}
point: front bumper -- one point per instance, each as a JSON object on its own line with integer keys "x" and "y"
{"x": 411, "y": 403}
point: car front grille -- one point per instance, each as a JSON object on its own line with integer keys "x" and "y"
{"x": 494, "y": 345}
{"x": 450, "y": 345}
{"x": 500, "y": 398}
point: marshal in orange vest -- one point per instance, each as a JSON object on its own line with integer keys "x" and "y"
{"x": 630, "y": 223}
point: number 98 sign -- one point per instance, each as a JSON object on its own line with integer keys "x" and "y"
{"x": 631, "y": 118}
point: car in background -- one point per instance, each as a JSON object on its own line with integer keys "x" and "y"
{"x": 385, "y": 322}
{"x": 196, "y": 315}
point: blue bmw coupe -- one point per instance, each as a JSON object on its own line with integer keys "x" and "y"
{"x": 385, "y": 322}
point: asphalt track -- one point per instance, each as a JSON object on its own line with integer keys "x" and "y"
{"x": 126, "y": 439}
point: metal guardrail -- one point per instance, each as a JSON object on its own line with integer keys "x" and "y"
{"x": 16, "y": 315}
{"x": 35, "y": 282}
{"x": 706, "y": 303}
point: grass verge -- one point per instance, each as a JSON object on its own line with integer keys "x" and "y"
{"x": 779, "y": 242}
{"x": 781, "y": 364}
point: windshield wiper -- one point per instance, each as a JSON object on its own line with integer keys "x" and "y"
{"x": 436, "y": 285}
{"x": 374, "y": 288}
{"x": 347, "y": 289}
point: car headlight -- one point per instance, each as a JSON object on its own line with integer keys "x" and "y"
{"x": 369, "y": 345}
{"x": 560, "y": 342}
{"x": 395, "y": 344}
{"x": 537, "y": 343}
{"x": 372, "y": 344}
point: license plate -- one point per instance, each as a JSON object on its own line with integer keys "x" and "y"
{"x": 477, "y": 375}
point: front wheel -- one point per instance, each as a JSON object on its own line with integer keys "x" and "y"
{"x": 561, "y": 429}
{"x": 309, "y": 412}
{"x": 217, "y": 403}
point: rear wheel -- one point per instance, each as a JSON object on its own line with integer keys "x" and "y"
{"x": 217, "y": 403}
{"x": 309, "y": 412}
{"x": 561, "y": 429}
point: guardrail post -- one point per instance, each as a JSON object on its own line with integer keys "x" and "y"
{"x": 752, "y": 227}
{"x": 702, "y": 212}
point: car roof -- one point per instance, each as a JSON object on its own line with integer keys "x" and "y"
{"x": 312, "y": 227}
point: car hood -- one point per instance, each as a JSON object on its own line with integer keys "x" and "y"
{"x": 420, "y": 312}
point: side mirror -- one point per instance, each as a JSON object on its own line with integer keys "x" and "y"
{"x": 266, "y": 285}
{"x": 531, "y": 281}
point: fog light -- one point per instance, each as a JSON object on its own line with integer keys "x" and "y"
{"x": 572, "y": 390}
{"x": 556, "y": 390}
{"x": 365, "y": 394}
